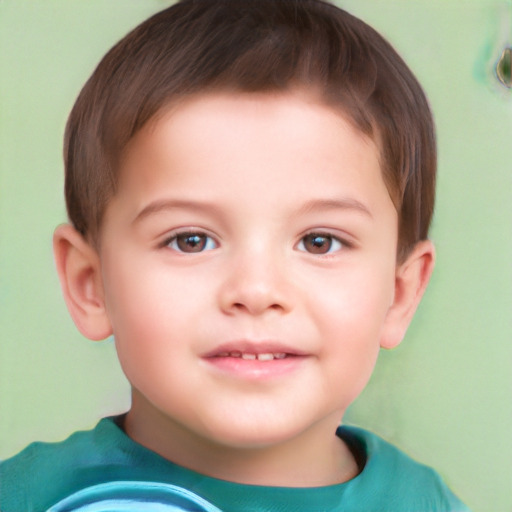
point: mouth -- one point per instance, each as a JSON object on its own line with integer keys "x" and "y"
{"x": 255, "y": 351}
{"x": 248, "y": 360}
{"x": 253, "y": 356}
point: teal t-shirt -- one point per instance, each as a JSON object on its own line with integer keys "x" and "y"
{"x": 104, "y": 470}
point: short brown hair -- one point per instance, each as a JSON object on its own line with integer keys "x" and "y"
{"x": 198, "y": 46}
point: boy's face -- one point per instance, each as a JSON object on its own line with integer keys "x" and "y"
{"x": 248, "y": 263}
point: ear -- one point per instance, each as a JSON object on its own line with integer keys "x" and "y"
{"x": 411, "y": 279}
{"x": 78, "y": 266}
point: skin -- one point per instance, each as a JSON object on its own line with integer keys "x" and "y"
{"x": 254, "y": 224}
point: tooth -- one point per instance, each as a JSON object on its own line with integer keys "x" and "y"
{"x": 280, "y": 355}
{"x": 248, "y": 356}
{"x": 235, "y": 354}
{"x": 265, "y": 357}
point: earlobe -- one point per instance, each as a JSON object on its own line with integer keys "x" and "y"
{"x": 78, "y": 267}
{"x": 411, "y": 280}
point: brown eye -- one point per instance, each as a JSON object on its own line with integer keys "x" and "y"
{"x": 191, "y": 242}
{"x": 318, "y": 243}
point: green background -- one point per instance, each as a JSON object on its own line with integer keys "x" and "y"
{"x": 444, "y": 396}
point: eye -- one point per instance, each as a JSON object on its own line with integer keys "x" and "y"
{"x": 320, "y": 243}
{"x": 191, "y": 242}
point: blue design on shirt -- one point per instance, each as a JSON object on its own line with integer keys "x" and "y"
{"x": 133, "y": 497}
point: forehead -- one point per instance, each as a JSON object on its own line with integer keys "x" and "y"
{"x": 273, "y": 147}
{"x": 199, "y": 122}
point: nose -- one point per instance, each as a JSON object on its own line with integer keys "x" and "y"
{"x": 256, "y": 282}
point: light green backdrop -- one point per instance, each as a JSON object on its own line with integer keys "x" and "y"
{"x": 444, "y": 396}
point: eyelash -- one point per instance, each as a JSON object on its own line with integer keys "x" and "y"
{"x": 172, "y": 241}
{"x": 338, "y": 243}
{"x": 207, "y": 243}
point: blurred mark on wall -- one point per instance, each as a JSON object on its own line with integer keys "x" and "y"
{"x": 502, "y": 54}
{"x": 503, "y": 68}
{"x": 492, "y": 66}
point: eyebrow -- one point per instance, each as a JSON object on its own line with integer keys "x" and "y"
{"x": 335, "y": 204}
{"x": 161, "y": 205}
{"x": 311, "y": 206}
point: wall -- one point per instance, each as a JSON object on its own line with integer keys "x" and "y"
{"x": 444, "y": 395}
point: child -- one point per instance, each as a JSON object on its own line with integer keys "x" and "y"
{"x": 250, "y": 186}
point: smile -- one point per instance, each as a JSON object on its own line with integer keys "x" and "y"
{"x": 256, "y": 361}
{"x": 249, "y": 356}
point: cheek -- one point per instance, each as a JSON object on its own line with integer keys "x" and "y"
{"x": 139, "y": 314}
{"x": 351, "y": 319}
{"x": 154, "y": 315}
{"x": 141, "y": 296}
{"x": 355, "y": 302}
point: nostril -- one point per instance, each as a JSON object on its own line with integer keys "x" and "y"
{"x": 255, "y": 307}
{"x": 254, "y": 294}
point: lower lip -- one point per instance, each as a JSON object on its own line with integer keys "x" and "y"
{"x": 253, "y": 369}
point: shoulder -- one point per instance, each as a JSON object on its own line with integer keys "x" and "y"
{"x": 43, "y": 470}
{"x": 395, "y": 477}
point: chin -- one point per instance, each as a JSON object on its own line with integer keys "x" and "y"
{"x": 253, "y": 434}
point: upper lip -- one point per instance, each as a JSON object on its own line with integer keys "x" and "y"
{"x": 254, "y": 347}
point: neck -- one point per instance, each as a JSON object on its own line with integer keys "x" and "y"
{"x": 314, "y": 458}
